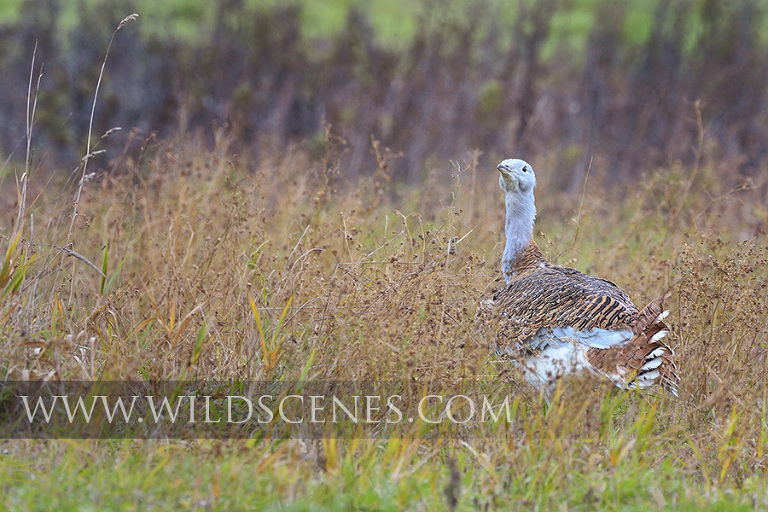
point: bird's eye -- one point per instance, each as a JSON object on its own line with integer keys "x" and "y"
{"x": 525, "y": 168}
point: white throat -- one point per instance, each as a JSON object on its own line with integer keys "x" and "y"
{"x": 518, "y": 228}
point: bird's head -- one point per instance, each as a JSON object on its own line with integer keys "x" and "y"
{"x": 516, "y": 176}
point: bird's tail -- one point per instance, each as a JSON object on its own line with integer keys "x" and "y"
{"x": 655, "y": 358}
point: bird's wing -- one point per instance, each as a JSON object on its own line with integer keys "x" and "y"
{"x": 559, "y": 304}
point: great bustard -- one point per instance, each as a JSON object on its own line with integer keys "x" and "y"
{"x": 555, "y": 320}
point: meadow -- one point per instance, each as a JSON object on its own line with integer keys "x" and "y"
{"x": 377, "y": 282}
{"x": 189, "y": 258}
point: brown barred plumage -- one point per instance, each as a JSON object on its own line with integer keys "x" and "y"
{"x": 554, "y": 319}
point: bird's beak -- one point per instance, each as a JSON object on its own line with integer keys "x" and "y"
{"x": 501, "y": 168}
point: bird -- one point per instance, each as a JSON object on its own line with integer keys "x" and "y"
{"x": 553, "y": 321}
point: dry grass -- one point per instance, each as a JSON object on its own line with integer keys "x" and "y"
{"x": 202, "y": 251}
{"x": 196, "y": 235}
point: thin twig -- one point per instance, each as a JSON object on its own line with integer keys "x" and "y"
{"x": 82, "y": 258}
{"x": 28, "y": 160}
{"x": 90, "y": 125}
{"x": 578, "y": 213}
{"x": 696, "y": 162}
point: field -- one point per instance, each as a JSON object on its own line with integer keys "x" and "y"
{"x": 189, "y": 258}
{"x": 381, "y": 284}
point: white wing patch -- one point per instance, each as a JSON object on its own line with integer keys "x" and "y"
{"x": 592, "y": 338}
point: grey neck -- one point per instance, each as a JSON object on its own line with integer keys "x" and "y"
{"x": 521, "y": 213}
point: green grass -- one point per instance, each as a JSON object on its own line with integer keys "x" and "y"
{"x": 192, "y": 21}
{"x": 394, "y": 23}
{"x": 373, "y": 475}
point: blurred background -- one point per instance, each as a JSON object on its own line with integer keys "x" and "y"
{"x": 624, "y": 87}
